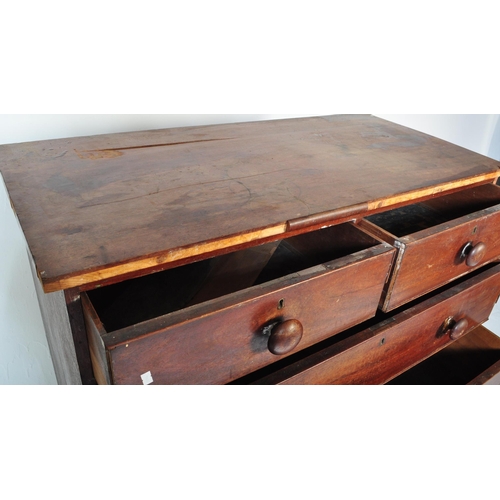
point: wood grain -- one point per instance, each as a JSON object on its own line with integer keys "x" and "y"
{"x": 384, "y": 351}
{"x": 430, "y": 258}
{"x": 473, "y": 359}
{"x": 80, "y": 338}
{"x": 491, "y": 376}
{"x": 223, "y": 339}
{"x": 95, "y": 331}
{"x": 99, "y": 207}
{"x": 56, "y": 322}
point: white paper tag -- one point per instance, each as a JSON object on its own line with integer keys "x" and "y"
{"x": 147, "y": 378}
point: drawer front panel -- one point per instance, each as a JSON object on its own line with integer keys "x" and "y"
{"x": 435, "y": 257}
{"x": 473, "y": 359}
{"x": 382, "y": 352}
{"x": 218, "y": 346}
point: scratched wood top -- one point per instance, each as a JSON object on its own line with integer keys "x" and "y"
{"x": 99, "y": 207}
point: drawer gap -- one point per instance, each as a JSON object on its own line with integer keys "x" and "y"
{"x": 124, "y": 304}
{"x": 410, "y": 219}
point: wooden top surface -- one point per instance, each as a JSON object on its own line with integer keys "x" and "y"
{"x": 98, "y": 207}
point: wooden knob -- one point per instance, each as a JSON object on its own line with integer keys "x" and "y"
{"x": 476, "y": 254}
{"x": 285, "y": 337}
{"x": 473, "y": 254}
{"x": 458, "y": 329}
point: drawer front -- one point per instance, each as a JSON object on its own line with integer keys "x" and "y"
{"x": 434, "y": 257}
{"x": 380, "y": 353}
{"x": 473, "y": 359}
{"x": 222, "y": 340}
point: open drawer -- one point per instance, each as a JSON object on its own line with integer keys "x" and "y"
{"x": 438, "y": 240}
{"x": 216, "y": 320}
{"x": 473, "y": 359}
{"x": 391, "y": 346}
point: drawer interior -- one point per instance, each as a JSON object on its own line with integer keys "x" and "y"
{"x": 137, "y": 300}
{"x": 410, "y": 219}
{"x": 457, "y": 364}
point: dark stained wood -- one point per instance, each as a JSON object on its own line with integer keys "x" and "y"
{"x": 475, "y": 254}
{"x": 100, "y": 207}
{"x": 459, "y": 329}
{"x": 98, "y": 354}
{"x": 226, "y": 338}
{"x": 430, "y": 260}
{"x": 473, "y": 359}
{"x": 247, "y": 265}
{"x": 266, "y": 235}
{"x": 465, "y": 201}
{"x": 80, "y": 339}
{"x": 380, "y": 353}
{"x": 434, "y": 256}
{"x": 285, "y": 337}
{"x": 138, "y": 300}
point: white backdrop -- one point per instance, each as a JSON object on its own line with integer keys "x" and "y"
{"x": 24, "y": 354}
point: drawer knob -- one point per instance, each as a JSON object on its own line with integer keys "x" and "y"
{"x": 285, "y": 337}
{"x": 474, "y": 254}
{"x": 458, "y": 329}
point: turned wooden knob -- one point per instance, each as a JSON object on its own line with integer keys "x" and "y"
{"x": 458, "y": 329}
{"x": 285, "y": 337}
{"x": 474, "y": 254}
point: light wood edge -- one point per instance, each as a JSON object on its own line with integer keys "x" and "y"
{"x": 376, "y": 231}
{"x": 165, "y": 258}
{"x": 430, "y": 191}
{"x": 205, "y": 310}
{"x": 385, "y": 300}
{"x": 201, "y": 249}
{"x": 367, "y": 208}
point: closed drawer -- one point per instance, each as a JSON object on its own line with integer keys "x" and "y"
{"x": 473, "y": 359}
{"x": 216, "y": 320}
{"x": 383, "y": 351}
{"x": 438, "y": 241}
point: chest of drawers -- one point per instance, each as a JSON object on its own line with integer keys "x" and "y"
{"x": 340, "y": 249}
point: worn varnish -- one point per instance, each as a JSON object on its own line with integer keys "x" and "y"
{"x": 473, "y": 359}
{"x": 102, "y": 207}
{"x": 383, "y": 351}
{"x": 312, "y": 287}
{"x": 437, "y": 240}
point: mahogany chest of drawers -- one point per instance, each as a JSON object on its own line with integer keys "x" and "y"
{"x": 328, "y": 250}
